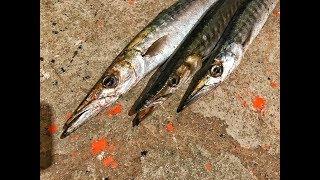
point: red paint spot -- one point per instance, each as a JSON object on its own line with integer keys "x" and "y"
{"x": 52, "y": 128}
{"x": 170, "y": 127}
{"x": 208, "y": 167}
{"x": 243, "y": 102}
{"x": 107, "y": 161}
{"x": 68, "y": 115}
{"x": 98, "y": 145}
{"x": 115, "y": 110}
{"x": 114, "y": 164}
{"x": 259, "y": 103}
{"x": 131, "y": 2}
{"x": 276, "y": 12}
{"x": 274, "y": 84}
{"x": 110, "y": 161}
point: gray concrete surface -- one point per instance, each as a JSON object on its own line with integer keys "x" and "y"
{"x": 222, "y": 136}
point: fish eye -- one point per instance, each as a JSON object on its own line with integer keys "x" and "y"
{"x": 216, "y": 70}
{"x": 173, "y": 81}
{"x": 110, "y": 81}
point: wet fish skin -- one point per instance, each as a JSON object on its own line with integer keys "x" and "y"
{"x": 149, "y": 49}
{"x": 226, "y": 56}
{"x": 181, "y": 66}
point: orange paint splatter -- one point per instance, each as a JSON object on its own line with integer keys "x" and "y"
{"x": 274, "y": 84}
{"x": 68, "y": 115}
{"x": 170, "y": 127}
{"x": 52, "y": 128}
{"x": 98, "y": 145}
{"x": 243, "y": 102}
{"x": 276, "y": 12}
{"x": 208, "y": 167}
{"x": 115, "y": 110}
{"x": 110, "y": 161}
{"x": 131, "y": 2}
{"x": 259, "y": 103}
{"x": 114, "y": 164}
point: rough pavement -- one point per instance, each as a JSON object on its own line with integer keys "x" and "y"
{"x": 233, "y": 133}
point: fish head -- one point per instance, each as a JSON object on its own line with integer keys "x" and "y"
{"x": 210, "y": 76}
{"x": 175, "y": 80}
{"x": 163, "y": 94}
{"x": 170, "y": 86}
{"x": 117, "y": 80}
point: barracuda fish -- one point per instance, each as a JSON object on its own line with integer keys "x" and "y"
{"x": 226, "y": 56}
{"x": 149, "y": 49}
{"x": 182, "y": 65}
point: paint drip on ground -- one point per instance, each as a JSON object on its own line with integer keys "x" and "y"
{"x": 276, "y": 12}
{"x": 243, "y": 102}
{"x": 115, "y": 110}
{"x": 110, "y": 162}
{"x": 52, "y": 128}
{"x": 98, "y": 145}
{"x": 208, "y": 167}
{"x": 131, "y": 2}
{"x": 259, "y": 103}
{"x": 274, "y": 84}
{"x": 170, "y": 127}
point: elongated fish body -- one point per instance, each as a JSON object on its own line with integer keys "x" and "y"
{"x": 227, "y": 54}
{"x": 180, "y": 67}
{"x": 149, "y": 49}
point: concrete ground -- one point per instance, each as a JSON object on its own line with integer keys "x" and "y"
{"x": 233, "y": 133}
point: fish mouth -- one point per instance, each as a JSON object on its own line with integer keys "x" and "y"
{"x": 158, "y": 99}
{"x": 68, "y": 128}
{"x": 149, "y": 109}
{"x": 200, "y": 84}
{"x": 87, "y": 112}
{"x": 197, "y": 90}
{"x": 148, "y": 105}
{"x": 141, "y": 115}
{"x": 191, "y": 96}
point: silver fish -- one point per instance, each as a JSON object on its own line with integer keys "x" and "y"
{"x": 182, "y": 65}
{"x": 226, "y": 56}
{"x": 149, "y": 49}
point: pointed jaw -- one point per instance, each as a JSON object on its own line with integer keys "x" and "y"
{"x": 209, "y": 78}
{"x": 86, "y": 111}
{"x": 80, "y": 117}
{"x": 150, "y": 102}
{"x": 202, "y": 82}
{"x": 194, "y": 92}
{"x": 141, "y": 115}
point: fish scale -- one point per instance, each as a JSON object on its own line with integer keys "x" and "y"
{"x": 186, "y": 60}
{"x": 227, "y": 54}
{"x": 244, "y": 26}
{"x": 150, "y": 48}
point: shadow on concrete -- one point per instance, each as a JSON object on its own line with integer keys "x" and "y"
{"x": 46, "y": 118}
